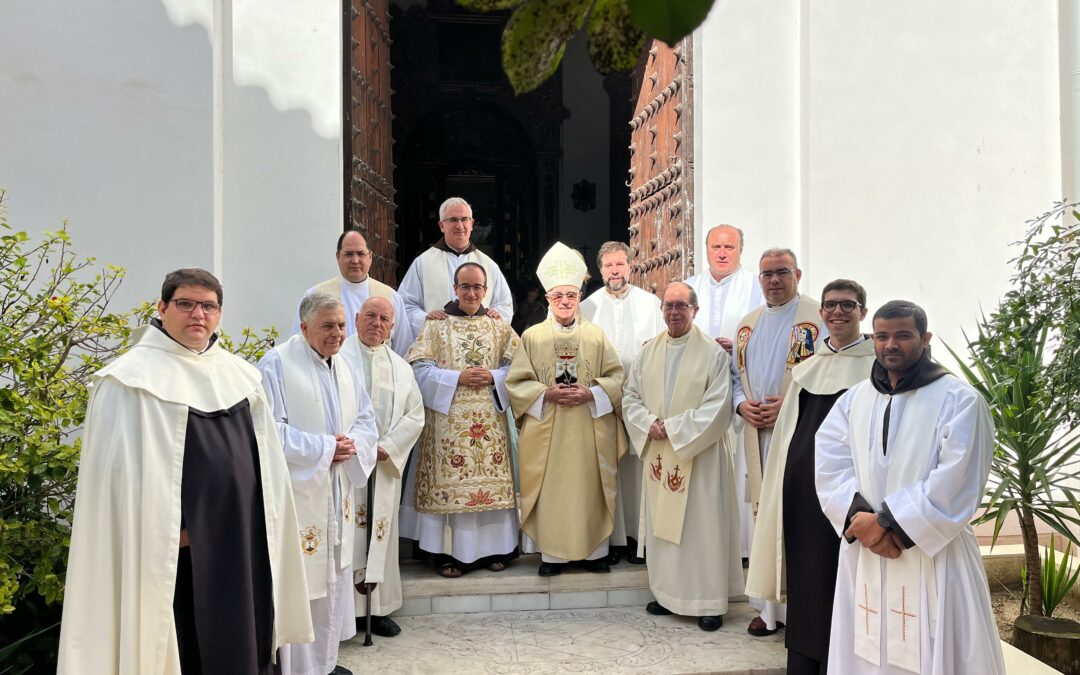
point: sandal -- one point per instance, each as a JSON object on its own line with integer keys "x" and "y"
{"x": 497, "y": 566}
{"x": 450, "y": 570}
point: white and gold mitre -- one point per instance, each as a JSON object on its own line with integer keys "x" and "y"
{"x": 561, "y": 266}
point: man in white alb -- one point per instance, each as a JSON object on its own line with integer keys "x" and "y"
{"x": 429, "y": 283}
{"x": 399, "y": 417}
{"x": 902, "y": 461}
{"x": 327, "y": 429}
{"x": 353, "y": 286}
{"x": 769, "y": 341}
{"x": 629, "y": 316}
{"x": 727, "y": 292}
{"x": 677, "y": 407}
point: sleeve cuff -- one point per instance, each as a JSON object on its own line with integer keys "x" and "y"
{"x": 895, "y": 527}
{"x": 858, "y": 505}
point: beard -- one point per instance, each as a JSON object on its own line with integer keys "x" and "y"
{"x": 615, "y": 285}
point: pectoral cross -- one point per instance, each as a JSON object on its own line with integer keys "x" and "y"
{"x": 904, "y": 614}
{"x": 866, "y": 607}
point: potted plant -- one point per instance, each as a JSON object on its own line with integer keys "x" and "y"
{"x": 1025, "y": 361}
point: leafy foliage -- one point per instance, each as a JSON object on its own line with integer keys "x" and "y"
{"x": 535, "y": 37}
{"x": 669, "y": 20}
{"x": 1026, "y": 364}
{"x": 57, "y": 330}
{"x": 1058, "y": 580}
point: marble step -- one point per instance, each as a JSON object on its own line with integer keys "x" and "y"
{"x": 519, "y": 587}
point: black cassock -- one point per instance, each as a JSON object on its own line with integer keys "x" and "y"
{"x": 811, "y": 547}
{"x": 223, "y": 603}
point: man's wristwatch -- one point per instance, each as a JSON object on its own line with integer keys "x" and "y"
{"x": 885, "y": 521}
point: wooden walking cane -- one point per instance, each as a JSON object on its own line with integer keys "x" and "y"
{"x": 370, "y": 522}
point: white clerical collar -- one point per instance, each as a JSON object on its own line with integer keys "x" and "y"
{"x": 681, "y": 340}
{"x": 356, "y": 285}
{"x": 779, "y": 309}
{"x": 726, "y": 280}
{"x": 859, "y": 340}
{"x": 572, "y": 325}
{"x": 369, "y": 349}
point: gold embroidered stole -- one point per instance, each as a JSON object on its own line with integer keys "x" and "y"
{"x": 668, "y": 475}
{"x": 464, "y": 456}
{"x": 801, "y": 345}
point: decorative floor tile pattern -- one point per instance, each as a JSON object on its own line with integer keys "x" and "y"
{"x": 612, "y": 640}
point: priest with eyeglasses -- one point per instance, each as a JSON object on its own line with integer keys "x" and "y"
{"x": 794, "y": 541}
{"x": 677, "y": 407}
{"x": 565, "y": 385}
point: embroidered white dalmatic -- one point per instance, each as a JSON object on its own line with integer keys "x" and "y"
{"x": 695, "y": 576}
{"x": 629, "y": 321}
{"x": 419, "y": 299}
{"x": 353, "y": 295}
{"x": 399, "y": 416}
{"x": 721, "y": 305}
{"x": 928, "y": 611}
{"x": 302, "y": 388}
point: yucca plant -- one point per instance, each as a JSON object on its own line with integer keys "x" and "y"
{"x": 1025, "y": 361}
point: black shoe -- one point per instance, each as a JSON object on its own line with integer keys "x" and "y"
{"x": 340, "y": 670}
{"x": 550, "y": 569}
{"x": 599, "y": 565}
{"x": 384, "y": 626}
{"x": 656, "y": 609}
{"x": 635, "y": 560}
{"x": 710, "y": 622}
{"x": 614, "y": 557}
{"x": 746, "y": 563}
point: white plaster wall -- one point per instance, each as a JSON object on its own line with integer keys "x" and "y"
{"x": 746, "y": 124}
{"x": 106, "y": 120}
{"x": 585, "y": 138}
{"x": 899, "y": 144}
{"x": 281, "y": 209}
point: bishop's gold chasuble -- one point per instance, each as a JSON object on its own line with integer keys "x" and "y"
{"x": 568, "y": 459}
{"x": 465, "y": 456}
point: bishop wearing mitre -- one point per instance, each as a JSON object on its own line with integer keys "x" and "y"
{"x": 565, "y": 386}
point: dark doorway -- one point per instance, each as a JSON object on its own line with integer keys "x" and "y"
{"x": 459, "y": 130}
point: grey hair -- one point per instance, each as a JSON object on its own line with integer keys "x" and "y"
{"x": 452, "y": 201}
{"x": 730, "y": 227}
{"x": 609, "y": 247}
{"x": 693, "y": 293}
{"x": 316, "y": 302}
{"x": 777, "y": 252}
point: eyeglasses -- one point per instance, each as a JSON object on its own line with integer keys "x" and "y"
{"x": 676, "y": 306}
{"x": 470, "y": 288}
{"x": 846, "y": 306}
{"x": 185, "y": 305}
{"x": 557, "y": 297}
{"x": 782, "y": 274}
{"x": 454, "y": 220}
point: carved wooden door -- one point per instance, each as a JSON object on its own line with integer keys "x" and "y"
{"x": 662, "y": 168}
{"x": 369, "y": 168}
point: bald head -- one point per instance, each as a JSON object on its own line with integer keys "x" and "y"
{"x": 374, "y": 321}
